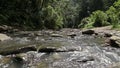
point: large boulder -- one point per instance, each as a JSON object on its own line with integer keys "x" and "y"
{"x": 4, "y": 37}
{"x": 114, "y": 41}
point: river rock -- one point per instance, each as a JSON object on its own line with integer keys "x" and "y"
{"x": 25, "y": 56}
{"x": 88, "y": 32}
{"x": 72, "y": 35}
{"x": 107, "y": 35}
{"x": 7, "y": 29}
{"x": 56, "y": 35}
{"x": 4, "y": 37}
{"x": 114, "y": 41}
{"x": 19, "y": 50}
{"x": 4, "y": 28}
{"x": 38, "y": 34}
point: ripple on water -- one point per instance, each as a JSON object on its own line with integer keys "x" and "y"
{"x": 87, "y": 52}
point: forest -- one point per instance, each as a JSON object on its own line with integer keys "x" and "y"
{"x": 57, "y": 14}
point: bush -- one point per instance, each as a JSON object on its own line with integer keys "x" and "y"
{"x": 97, "y": 19}
{"x": 84, "y": 22}
{"x": 52, "y": 19}
{"x": 114, "y": 14}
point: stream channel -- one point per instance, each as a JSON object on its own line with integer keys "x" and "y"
{"x": 56, "y": 49}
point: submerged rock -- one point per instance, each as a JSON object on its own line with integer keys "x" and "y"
{"x": 4, "y": 37}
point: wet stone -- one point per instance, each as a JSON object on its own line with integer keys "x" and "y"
{"x": 114, "y": 41}
{"x": 107, "y": 35}
{"x": 56, "y": 35}
{"x": 19, "y": 50}
{"x": 88, "y": 32}
{"x": 4, "y": 37}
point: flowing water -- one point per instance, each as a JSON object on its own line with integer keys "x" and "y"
{"x": 82, "y": 51}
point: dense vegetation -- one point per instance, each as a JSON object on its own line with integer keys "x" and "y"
{"x": 56, "y": 14}
{"x": 102, "y": 18}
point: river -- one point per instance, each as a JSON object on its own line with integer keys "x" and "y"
{"x": 57, "y": 49}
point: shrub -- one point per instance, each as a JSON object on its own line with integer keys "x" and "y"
{"x": 85, "y": 22}
{"x": 114, "y": 14}
{"x": 52, "y": 19}
{"x": 97, "y": 19}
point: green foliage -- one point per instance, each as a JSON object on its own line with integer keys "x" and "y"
{"x": 51, "y": 14}
{"x": 52, "y": 19}
{"x": 30, "y": 14}
{"x": 114, "y": 14}
{"x": 70, "y": 12}
{"x": 84, "y": 22}
{"x": 101, "y": 18}
{"x": 20, "y": 13}
{"x": 89, "y": 6}
{"x": 97, "y": 19}
{"x": 113, "y": 18}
